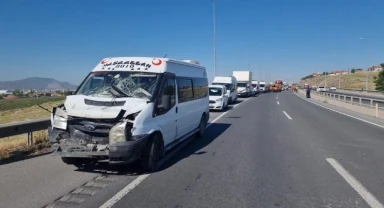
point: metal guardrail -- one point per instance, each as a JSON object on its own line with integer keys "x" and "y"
{"x": 23, "y": 128}
{"x": 354, "y": 100}
{"x": 363, "y": 91}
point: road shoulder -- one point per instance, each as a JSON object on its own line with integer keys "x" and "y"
{"x": 341, "y": 110}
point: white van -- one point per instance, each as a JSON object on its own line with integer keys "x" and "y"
{"x": 218, "y": 100}
{"x": 131, "y": 108}
{"x": 262, "y": 86}
{"x": 255, "y": 85}
{"x": 230, "y": 83}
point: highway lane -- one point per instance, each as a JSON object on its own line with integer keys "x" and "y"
{"x": 259, "y": 156}
{"x": 274, "y": 150}
{"x": 39, "y": 181}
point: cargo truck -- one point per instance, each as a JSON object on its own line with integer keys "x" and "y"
{"x": 244, "y": 83}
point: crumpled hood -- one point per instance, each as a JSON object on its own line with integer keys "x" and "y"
{"x": 77, "y": 106}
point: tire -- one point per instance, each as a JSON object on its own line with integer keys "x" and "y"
{"x": 202, "y": 126}
{"x": 151, "y": 154}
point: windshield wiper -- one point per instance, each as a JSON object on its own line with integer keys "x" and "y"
{"x": 118, "y": 90}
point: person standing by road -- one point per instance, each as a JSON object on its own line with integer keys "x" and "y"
{"x": 308, "y": 92}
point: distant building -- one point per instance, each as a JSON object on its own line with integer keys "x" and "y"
{"x": 375, "y": 68}
{"x": 6, "y": 92}
{"x": 316, "y": 74}
{"x": 333, "y": 73}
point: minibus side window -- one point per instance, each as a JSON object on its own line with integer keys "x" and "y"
{"x": 167, "y": 98}
{"x": 185, "y": 90}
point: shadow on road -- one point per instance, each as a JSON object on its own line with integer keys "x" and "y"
{"x": 18, "y": 158}
{"x": 189, "y": 147}
{"x": 196, "y": 144}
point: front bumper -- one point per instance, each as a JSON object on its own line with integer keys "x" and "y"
{"x": 117, "y": 153}
{"x": 242, "y": 94}
{"x": 216, "y": 105}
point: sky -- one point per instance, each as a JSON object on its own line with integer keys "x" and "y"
{"x": 278, "y": 39}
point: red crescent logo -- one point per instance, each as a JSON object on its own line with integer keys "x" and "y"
{"x": 156, "y": 62}
{"x": 104, "y": 61}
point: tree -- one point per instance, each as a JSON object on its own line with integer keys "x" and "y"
{"x": 325, "y": 73}
{"x": 1, "y": 97}
{"x": 382, "y": 65}
{"x": 17, "y": 93}
{"x": 379, "y": 81}
{"x": 353, "y": 71}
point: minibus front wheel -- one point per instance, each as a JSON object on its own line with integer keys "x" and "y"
{"x": 152, "y": 153}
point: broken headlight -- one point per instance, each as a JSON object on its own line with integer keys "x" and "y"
{"x": 117, "y": 133}
{"x": 59, "y": 118}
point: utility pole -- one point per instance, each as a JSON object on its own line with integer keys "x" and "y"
{"x": 367, "y": 72}
{"x": 214, "y": 40}
{"x": 325, "y": 85}
{"x": 249, "y": 55}
{"x": 339, "y": 81}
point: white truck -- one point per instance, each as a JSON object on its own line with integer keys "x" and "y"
{"x": 244, "y": 83}
{"x": 230, "y": 83}
{"x": 262, "y": 86}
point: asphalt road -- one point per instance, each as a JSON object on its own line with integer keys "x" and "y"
{"x": 274, "y": 150}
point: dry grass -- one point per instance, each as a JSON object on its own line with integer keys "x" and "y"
{"x": 29, "y": 113}
{"x": 20, "y": 143}
{"x": 352, "y": 81}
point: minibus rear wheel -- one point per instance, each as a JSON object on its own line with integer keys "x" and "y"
{"x": 202, "y": 126}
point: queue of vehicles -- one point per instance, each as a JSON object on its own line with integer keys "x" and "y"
{"x": 131, "y": 109}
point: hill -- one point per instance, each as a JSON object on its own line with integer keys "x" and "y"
{"x": 351, "y": 81}
{"x": 36, "y": 83}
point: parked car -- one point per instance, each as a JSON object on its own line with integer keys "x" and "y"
{"x": 321, "y": 89}
{"x": 332, "y": 88}
{"x": 218, "y": 99}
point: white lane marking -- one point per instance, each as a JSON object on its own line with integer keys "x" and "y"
{"x": 117, "y": 197}
{"x": 360, "y": 119}
{"x": 278, "y": 103}
{"x": 240, "y": 103}
{"x": 352, "y": 181}
{"x": 112, "y": 201}
{"x": 277, "y": 97}
{"x": 286, "y": 114}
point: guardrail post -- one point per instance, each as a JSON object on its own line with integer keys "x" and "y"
{"x": 345, "y": 99}
{"x": 359, "y": 101}
{"x": 30, "y": 138}
{"x": 338, "y": 97}
{"x": 371, "y": 103}
{"x": 377, "y": 111}
{"x": 351, "y": 100}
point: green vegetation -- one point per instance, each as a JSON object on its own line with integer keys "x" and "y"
{"x": 353, "y": 70}
{"x": 351, "y": 81}
{"x": 12, "y": 104}
{"x": 379, "y": 80}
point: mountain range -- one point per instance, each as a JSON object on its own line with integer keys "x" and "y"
{"x": 36, "y": 83}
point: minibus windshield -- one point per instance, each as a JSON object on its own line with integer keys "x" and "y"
{"x": 116, "y": 84}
